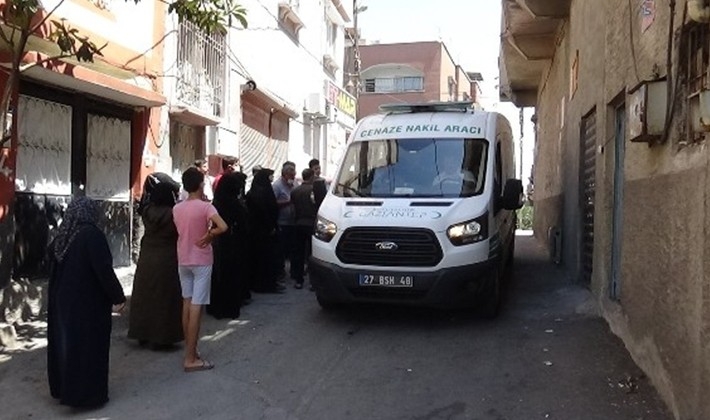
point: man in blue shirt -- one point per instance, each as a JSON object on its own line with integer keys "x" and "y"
{"x": 284, "y": 237}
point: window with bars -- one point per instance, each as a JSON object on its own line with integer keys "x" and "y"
{"x": 696, "y": 38}
{"x": 201, "y": 67}
{"x": 394, "y": 84}
{"x": 695, "y": 59}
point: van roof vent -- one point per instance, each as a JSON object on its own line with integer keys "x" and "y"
{"x": 401, "y": 108}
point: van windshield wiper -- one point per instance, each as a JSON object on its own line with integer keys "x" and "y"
{"x": 351, "y": 189}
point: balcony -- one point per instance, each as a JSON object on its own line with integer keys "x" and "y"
{"x": 289, "y": 16}
{"x": 528, "y": 34}
{"x": 201, "y": 73}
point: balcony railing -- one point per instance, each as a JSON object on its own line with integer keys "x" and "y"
{"x": 201, "y": 69}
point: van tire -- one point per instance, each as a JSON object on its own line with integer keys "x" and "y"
{"x": 325, "y": 304}
{"x": 490, "y": 299}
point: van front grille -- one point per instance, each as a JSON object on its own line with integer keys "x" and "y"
{"x": 389, "y": 247}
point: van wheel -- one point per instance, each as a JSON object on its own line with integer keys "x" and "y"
{"x": 325, "y": 304}
{"x": 489, "y": 301}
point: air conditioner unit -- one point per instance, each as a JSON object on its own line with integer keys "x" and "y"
{"x": 316, "y": 105}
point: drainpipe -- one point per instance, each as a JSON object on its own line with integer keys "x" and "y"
{"x": 699, "y": 10}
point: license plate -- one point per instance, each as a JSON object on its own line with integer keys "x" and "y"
{"x": 386, "y": 280}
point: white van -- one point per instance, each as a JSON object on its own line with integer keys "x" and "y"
{"x": 422, "y": 210}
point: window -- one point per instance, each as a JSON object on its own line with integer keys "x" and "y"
{"x": 453, "y": 89}
{"x": 394, "y": 84}
{"x": 202, "y": 67}
{"x": 416, "y": 167}
{"x": 330, "y": 58}
{"x": 332, "y": 37}
{"x": 696, "y": 55}
{"x": 498, "y": 178}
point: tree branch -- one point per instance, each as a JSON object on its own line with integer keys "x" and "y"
{"x": 46, "y": 16}
{"x": 25, "y": 67}
{"x": 149, "y": 49}
{"x": 7, "y": 40}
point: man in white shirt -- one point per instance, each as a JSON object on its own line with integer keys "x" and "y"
{"x": 207, "y": 193}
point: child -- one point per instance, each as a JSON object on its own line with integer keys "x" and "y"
{"x": 197, "y": 224}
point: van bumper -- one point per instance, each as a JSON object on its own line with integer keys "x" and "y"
{"x": 446, "y": 288}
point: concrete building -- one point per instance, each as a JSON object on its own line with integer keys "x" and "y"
{"x": 79, "y": 129}
{"x": 621, "y": 168}
{"x": 293, "y": 53}
{"x": 412, "y": 72}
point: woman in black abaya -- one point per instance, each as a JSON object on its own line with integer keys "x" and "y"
{"x": 155, "y": 316}
{"x": 82, "y": 289}
{"x": 230, "y": 277}
{"x": 263, "y": 214}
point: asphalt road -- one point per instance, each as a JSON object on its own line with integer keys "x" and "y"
{"x": 546, "y": 357}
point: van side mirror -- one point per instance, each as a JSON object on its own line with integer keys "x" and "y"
{"x": 513, "y": 197}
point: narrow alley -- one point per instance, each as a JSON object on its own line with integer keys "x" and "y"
{"x": 548, "y": 356}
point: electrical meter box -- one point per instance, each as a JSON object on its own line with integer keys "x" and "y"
{"x": 647, "y": 111}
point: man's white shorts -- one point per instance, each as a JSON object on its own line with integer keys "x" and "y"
{"x": 196, "y": 281}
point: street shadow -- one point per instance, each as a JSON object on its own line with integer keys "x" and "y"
{"x": 533, "y": 287}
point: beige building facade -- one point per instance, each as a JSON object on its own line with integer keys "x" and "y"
{"x": 621, "y": 168}
{"x": 412, "y": 72}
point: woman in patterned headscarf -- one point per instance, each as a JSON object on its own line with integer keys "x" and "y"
{"x": 82, "y": 289}
{"x": 156, "y": 302}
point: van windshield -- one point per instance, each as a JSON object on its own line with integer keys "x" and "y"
{"x": 446, "y": 168}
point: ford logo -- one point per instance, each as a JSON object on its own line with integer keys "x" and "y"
{"x": 386, "y": 246}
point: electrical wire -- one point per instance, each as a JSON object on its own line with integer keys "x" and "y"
{"x": 631, "y": 42}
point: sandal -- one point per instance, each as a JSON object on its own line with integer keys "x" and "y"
{"x": 205, "y": 365}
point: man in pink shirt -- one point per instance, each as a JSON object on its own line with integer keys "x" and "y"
{"x": 197, "y": 223}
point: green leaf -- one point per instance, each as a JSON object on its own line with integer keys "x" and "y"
{"x": 242, "y": 20}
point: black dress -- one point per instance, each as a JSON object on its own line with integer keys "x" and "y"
{"x": 263, "y": 216}
{"x": 230, "y": 276}
{"x": 82, "y": 288}
{"x": 156, "y": 301}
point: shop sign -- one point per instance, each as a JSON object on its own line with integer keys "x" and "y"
{"x": 341, "y": 99}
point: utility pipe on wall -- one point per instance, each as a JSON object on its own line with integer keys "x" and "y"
{"x": 699, "y": 10}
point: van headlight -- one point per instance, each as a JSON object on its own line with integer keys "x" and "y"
{"x": 325, "y": 229}
{"x": 469, "y": 232}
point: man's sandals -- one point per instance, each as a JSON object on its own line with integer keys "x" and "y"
{"x": 204, "y": 365}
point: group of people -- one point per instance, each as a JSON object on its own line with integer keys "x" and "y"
{"x": 207, "y": 243}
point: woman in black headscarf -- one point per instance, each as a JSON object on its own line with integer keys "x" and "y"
{"x": 230, "y": 278}
{"x": 263, "y": 215}
{"x": 155, "y": 317}
{"x": 82, "y": 289}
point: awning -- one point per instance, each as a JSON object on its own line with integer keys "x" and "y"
{"x": 192, "y": 116}
{"x": 81, "y": 79}
{"x": 269, "y": 100}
